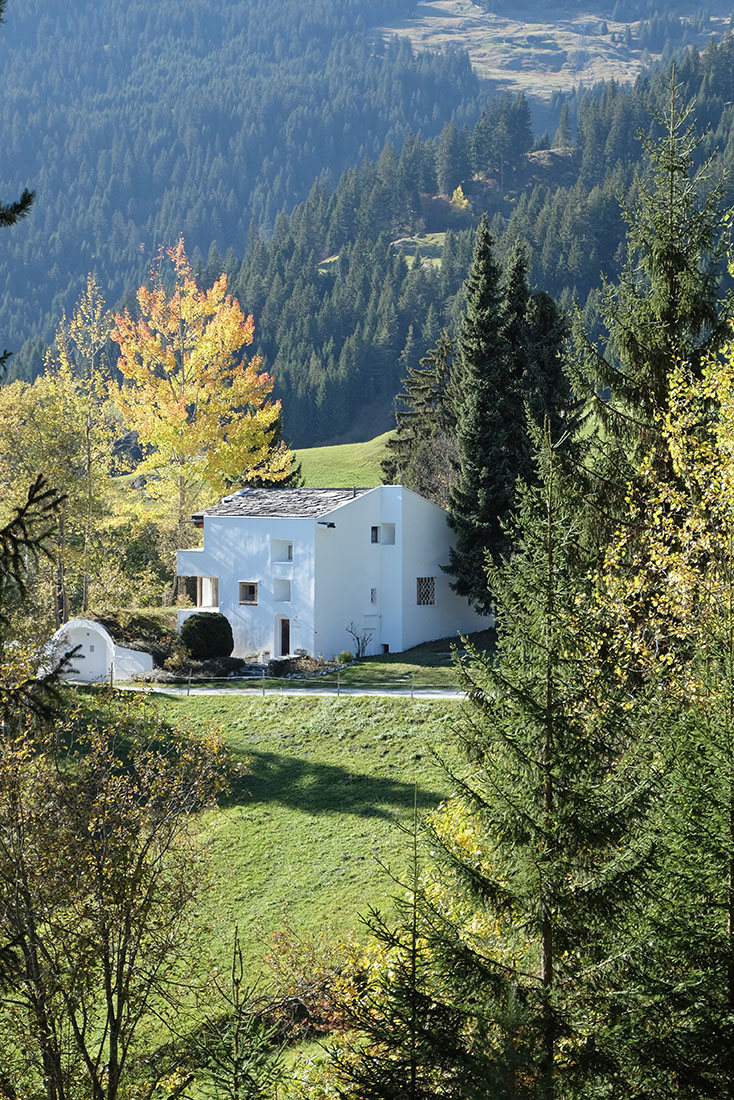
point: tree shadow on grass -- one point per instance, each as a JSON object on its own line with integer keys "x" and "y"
{"x": 325, "y": 788}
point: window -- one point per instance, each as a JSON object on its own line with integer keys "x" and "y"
{"x": 207, "y": 592}
{"x": 426, "y": 591}
{"x": 281, "y": 550}
{"x": 281, "y": 590}
{"x": 248, "y": 592}
{"x": 373, "y": 595}
{"x": 374, "y": 534}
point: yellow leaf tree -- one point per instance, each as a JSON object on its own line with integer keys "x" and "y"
{"x": 202, "y": 412}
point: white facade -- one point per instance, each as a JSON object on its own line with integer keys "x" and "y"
{"x": 294, "y": 582}
{"x": 97, "y": 655}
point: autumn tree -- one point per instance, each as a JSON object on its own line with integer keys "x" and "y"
{"x": 668, "y": 306}
{"x": 202, "y": 412}
{"x": 64, "y": 425}
{"x": 97, "y": 874}
{"x": 667, "y": 592}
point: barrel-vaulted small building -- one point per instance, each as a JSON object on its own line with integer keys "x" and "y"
{"x": 294, "y": 569}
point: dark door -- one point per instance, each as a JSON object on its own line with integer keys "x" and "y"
{"x": 285, "y": 637}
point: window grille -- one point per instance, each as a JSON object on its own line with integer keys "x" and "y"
{"x": 426, "y": 590}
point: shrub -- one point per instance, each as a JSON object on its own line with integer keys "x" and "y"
{"x": 207, "y": 634}
{"x": 345, "y": 657}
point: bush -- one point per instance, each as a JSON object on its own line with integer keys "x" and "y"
{"x": 207, "y": 634}
{"x": 345, "y": 657}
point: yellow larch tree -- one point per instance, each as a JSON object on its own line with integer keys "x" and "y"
{"x": 202, "y": 412}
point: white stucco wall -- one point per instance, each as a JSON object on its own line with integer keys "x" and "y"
{"x": 239, "y": 548}
{"x": 423, "y": 554}
{"x": 332, "y": 575}
{"x": 97, "y": 653}
{"x": 349, "y": 565}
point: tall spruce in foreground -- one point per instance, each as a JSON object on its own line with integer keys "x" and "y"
{"x": 543, "y": 850}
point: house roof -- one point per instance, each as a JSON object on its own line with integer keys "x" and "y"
{"x": 282, "y": 502}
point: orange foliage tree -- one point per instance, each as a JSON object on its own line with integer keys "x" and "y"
{"x": 203, "y": 413}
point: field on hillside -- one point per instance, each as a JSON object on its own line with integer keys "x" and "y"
{"x": 539, "y": 52}
{"x": 305, "y": 839}
{"x": 343, "y": 465}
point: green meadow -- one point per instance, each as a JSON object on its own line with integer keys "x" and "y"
{"x": 312, "y": 836}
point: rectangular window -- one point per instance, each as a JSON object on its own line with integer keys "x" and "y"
{"x": 373, "y": 595}
{"x": 248, "y": 592}
{"x": 281, "y": 550}
{"x": 374, "y": 534}
{"x": 426, "y": 591}
{"x": 207, "y": 592}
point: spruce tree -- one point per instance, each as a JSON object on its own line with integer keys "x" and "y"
{"x": 420, "y": 452}
{"x": 667, "y": 306}
{"x": 487, "y": 411}
{"x": 508, "y": 367}
{"x": 543, "y": 850}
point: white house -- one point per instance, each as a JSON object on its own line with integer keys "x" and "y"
{"x": 96, "y": 656}
{"x": 293, "y": 568}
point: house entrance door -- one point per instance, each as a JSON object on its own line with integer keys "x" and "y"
{"x": 285, "y": 637}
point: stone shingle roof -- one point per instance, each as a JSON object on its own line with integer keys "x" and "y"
{"x": 283, "y": 502}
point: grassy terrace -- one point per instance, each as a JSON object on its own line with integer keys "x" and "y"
{"x": 426, "y": 667}
{"x": 305, "y": 838}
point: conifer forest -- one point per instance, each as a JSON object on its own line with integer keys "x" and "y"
{"x": 233, "y": 231}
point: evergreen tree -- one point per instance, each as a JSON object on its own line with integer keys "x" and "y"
{"x": 485, "y": 475}
{"x": 667, "y": 306}
{"x": 408, "y": 1043}
{"x": 11, "y": 212}
{"x": 509, "y": 365}
{"x": 421, "y": 453}
{"x": 543, "y": 850}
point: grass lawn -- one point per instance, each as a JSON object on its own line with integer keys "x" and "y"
{"x": 344, "y": 465}
{"x": 305, "y": 838}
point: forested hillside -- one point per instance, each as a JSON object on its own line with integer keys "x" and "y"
{"x": 137, "y": 122}
{"x": 215, "y": 121}
{"x": 359, "y": 281}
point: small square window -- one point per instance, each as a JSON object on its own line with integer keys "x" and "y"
{"x": 426, "y": 591}
{"x": 281, "y": 590}
{"x": 248, "y": 592}
{"x": 374, "y": 534}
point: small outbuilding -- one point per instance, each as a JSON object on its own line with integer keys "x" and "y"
{"x": 97, "y": 654}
